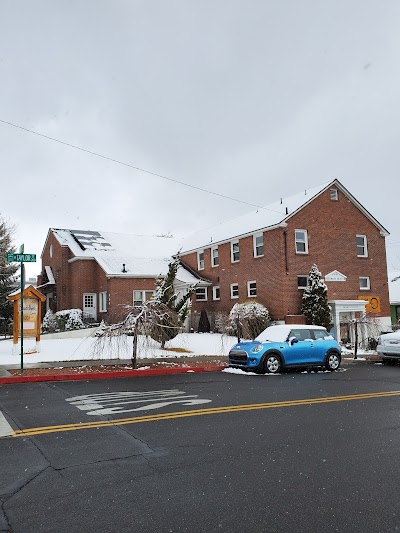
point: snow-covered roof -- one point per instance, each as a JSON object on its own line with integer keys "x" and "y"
{"x": 394, "y": 287}
{"x": 265, "y": 218}
{"x": 124, "y": 255}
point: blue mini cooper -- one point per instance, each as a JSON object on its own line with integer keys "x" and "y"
{"x": 287, "y": 345}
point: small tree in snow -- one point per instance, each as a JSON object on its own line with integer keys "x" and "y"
{"x": 142, "y": 319}
{"x": 248, "y": 319}
{"x": 315, "y": 300}
{"x": 49, "y": 322}
{"x": 165, "y": 295}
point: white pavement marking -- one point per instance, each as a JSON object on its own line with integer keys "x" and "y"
{"x": 5, "y": 428}
{"x": 116, "y": 402}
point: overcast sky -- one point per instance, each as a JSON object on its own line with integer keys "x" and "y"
{"x": 255, "y": 100}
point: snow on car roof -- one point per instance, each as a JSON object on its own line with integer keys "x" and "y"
{"x": 280, "y": 332}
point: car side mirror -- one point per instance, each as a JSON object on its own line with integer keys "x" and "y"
{"x": 293, "y": 340}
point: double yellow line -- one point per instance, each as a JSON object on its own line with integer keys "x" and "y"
{"x": 196, "y": 412}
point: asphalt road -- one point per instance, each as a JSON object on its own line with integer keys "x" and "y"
{"x": 297, "y": 452}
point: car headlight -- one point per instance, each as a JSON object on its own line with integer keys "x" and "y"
{"x": 257, "y": 348}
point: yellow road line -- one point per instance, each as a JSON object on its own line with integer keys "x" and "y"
{"x": 196, "y": 412}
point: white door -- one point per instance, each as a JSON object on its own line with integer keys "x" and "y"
{"x": 89, "y": 305}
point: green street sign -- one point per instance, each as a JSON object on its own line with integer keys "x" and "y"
{"x": 24, "y": 258}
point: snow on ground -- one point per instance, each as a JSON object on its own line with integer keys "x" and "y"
{"x": 89, "y": 348}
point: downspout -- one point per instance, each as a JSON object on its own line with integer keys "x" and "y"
{"x": 286, "y": 251}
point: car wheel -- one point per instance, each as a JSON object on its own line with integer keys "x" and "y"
{"x": 272, "y": 364}
{"x": 332, "y": 361}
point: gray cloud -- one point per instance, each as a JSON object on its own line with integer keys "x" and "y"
{"x": 255, "y": 100}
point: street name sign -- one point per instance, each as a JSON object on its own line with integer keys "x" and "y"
{"x": 24, "y": 258}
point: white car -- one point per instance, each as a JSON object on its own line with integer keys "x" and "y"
{"x": 389, "y": 347}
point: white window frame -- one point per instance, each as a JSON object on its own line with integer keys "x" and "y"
{"x": 305, "y": 241}
{"x": 234, "y": 288}
{"x": 103, "y": 301}
{"x": 214, "y": 293}
{"x": 365, "y": 245}
{"x": 301, "y": 287}
{"x": 204, "y": 294}
{"x": 255, "y": 248}
{"x": 200, "y": 260}
{"x": 213, "y": 263}
{"x": 233, "y": 244}
{"x": 252, "y": 289}
{"x": 144, "y": 296}
{"x": 368, "y": 287}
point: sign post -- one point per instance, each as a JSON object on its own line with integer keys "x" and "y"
{"x": 21, "y": 257}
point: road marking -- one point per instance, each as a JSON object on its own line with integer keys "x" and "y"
{"x": 198, "y": 412}
{"x": 5, "y": 429}
{"x": 110, "y": 403}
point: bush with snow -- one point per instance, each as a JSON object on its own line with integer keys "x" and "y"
{"x": 248, "y": 319}
{"x": 49, "y": 323}
{"x": 69, "y": 319}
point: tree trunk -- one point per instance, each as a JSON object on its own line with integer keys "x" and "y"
{"x": 134, "y": 348}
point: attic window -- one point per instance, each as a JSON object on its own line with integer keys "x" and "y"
{"x": 334, "y": 195}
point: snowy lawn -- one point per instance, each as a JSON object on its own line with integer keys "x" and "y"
{"x": 86, "y": 348}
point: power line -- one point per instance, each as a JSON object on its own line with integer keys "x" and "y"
{"x": 123, "y": 163}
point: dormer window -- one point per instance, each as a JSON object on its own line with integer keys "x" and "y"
{"x": 333, "y": 194}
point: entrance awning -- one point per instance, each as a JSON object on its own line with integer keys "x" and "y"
{"x": 347, "y": 306}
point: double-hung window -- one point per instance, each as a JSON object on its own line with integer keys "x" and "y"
{"x": 258, "y": 245}
{"x": 361, "y": 242}
{"x": 251, "y": 289}
{"x": 141, "y": 296}
{"x": 201, "y": 294}
{"x": 214, "y": 256}
{"x": 301, "y": 239}
{"x": 200, "y": 260}
{"x": 234, "y": 290}
{"x": 235, "y": 254}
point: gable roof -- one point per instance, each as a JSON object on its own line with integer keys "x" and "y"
{"x": 267, "y": 218}
{"x": 124, "y": 255}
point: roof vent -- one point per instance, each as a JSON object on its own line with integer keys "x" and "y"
{"x": 287, "y": 211}
{"x": 123, "y": 268}
{"x": 333, "y": 194}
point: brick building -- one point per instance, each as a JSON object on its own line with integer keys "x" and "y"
{"x": 100, "y": 273}
{"x": 266, "y": 255}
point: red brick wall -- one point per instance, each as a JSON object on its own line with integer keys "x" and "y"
{"x": 120, "y": 292}
{"x": 58, "y": 261}
{"x": 332, "y": 227}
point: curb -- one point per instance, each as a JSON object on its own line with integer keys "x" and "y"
{"x": 108, "y": 375}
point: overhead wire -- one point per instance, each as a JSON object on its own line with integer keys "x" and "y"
{"x": 125, "y": 164}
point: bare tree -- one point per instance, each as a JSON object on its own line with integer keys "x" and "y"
{"x": 139, "y": 320}
{"x": 365, "y": 328}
